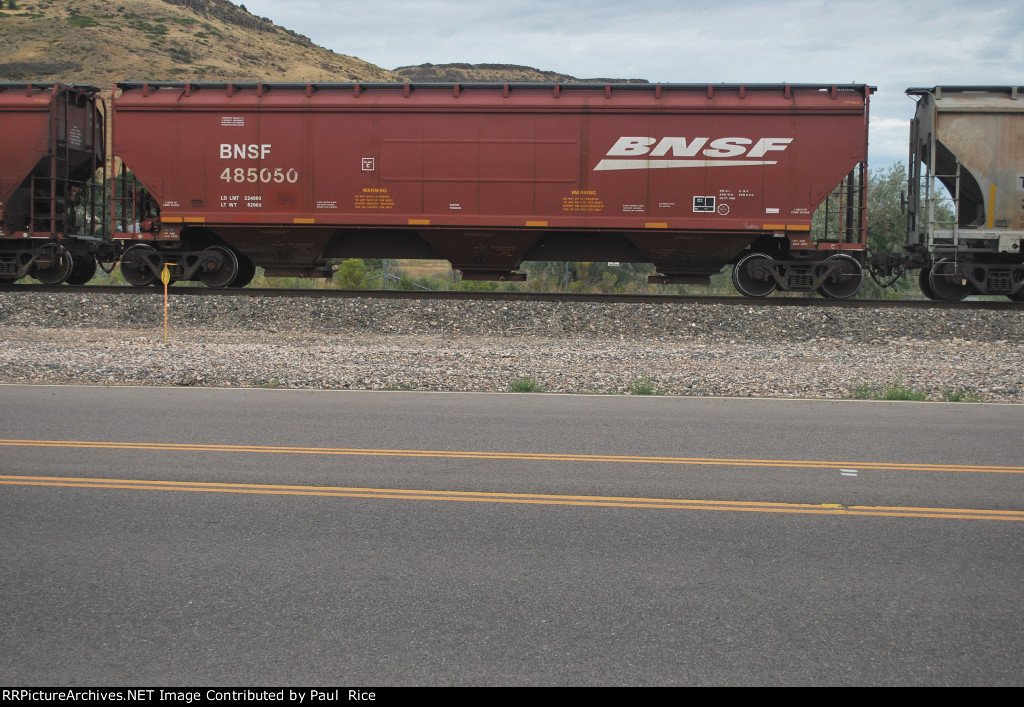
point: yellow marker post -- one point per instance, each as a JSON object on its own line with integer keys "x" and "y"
{"x": 165, "y": 277}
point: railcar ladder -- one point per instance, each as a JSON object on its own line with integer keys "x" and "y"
{"x": 128, "y": 202}
{"x": 845, "y": 210}
{"x": 933, "y": 224}
{"x": 49, "y": 201}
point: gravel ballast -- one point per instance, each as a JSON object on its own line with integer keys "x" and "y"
{"x": 744, "y": 350}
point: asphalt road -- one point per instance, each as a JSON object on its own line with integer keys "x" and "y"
{"x": 264, "y": 537}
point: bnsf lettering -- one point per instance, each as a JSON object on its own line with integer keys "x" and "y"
{"x": 242, "y": 152}
{"x": 680, "y": 147}
{"x": 631, "y": 146}
{"x": 727, "y": 147}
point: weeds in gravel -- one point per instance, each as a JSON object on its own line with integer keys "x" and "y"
{"x": 643, "y": 386}
{"x": 959, "y": 395}
{"x": 896, "y": 390}
{"x": 525, "y": 385}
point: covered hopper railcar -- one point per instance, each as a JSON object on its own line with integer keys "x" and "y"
{"x": 690, "y": 178}
{"x": 52, "y": 222}
{"x": 969, "y": 139}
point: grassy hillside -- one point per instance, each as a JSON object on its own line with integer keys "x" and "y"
{"x": 105, "y": 41}
{"x": 497, "y": 73}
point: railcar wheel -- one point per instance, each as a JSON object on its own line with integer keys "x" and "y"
{"x": 845, "y": 280}
{"x": 246, "y": 272}
{"x": 59, "y": 269}
{"x": 219, "y": 268}
{"x": 923, "y": 281}
{"x": 947, "y": 283}
{"x": 135, "y": 267}
{"x": 752, "y": 276}
{"x": 82, "y": 271}
{"x": 1017, "y": 296}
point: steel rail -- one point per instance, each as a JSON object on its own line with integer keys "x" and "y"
{"x": 462, "y": 295}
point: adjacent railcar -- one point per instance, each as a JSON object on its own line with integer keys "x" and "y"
{"x": 970, "y": 139}
{"x": 51, "y": 146}
{"x": 687, "y": 177}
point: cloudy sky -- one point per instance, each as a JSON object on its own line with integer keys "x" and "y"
{"x": 891, "y": 44}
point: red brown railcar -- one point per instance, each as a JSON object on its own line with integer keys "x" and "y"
{"x": 51, "y": 145}
{"x": 687, "y": 177}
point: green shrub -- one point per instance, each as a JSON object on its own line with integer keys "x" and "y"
{"x": 896, "y": 390}
{"x": 525, "y": 385}
{"x": 82, "y": 20}
{"x": 351, "y": 274}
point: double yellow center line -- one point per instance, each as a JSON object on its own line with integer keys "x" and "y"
{"x": 515, "y": 498}
{"x": 520, "y": 498}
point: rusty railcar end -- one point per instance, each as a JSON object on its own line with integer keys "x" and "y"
{"x": 52, "y": 205}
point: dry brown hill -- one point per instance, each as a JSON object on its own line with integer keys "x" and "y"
{"x": 498, "y": 73}
{"x": 105, "y": 41}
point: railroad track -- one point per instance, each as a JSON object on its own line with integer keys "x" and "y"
{"x": 512, "y": 297}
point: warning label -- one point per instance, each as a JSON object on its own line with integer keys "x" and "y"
{"x": 374, "y": 198}
{"x": 582, "y": 201}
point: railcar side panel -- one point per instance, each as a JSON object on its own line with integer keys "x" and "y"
{"x": 24, "y": 141}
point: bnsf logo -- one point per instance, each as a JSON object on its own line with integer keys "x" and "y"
{"x": 718, "y": 151}
{"x": 241, "y": 152}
